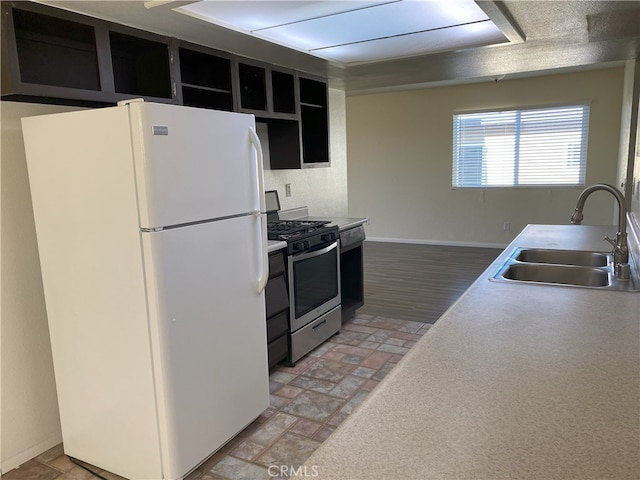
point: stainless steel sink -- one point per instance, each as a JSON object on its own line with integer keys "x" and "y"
{"x": 562, "y": 274}
{"x": 572, "y": 268}
{"x": 563, "y": 257}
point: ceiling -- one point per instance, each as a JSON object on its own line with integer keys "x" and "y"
{"x": 542, "y": 37}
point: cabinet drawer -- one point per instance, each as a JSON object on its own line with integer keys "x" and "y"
{"x": 276, "y": 264}
{"x": 277, "y": 325}
{"x": 276, "y": 296}
{"x": 316, "y": 332}
{"x": 278, "y": 350}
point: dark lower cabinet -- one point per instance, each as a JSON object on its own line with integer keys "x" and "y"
{"x": 277, "y": 305}
{"x": 351, "y": 270}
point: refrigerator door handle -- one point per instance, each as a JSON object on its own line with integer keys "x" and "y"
{"x": 253, "y": 137}
{"x": 264, "y": 277}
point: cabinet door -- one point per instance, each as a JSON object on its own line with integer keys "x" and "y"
{"x": 276, "y": 264}
{"x": 267, "y": 92}
{"x": 283, "y": 92}
{"x": 50, "y": 53}
{"x": 314, "y": 119}
{"x": 277, "y": 298}
{"x": 205, "y": 78}
{"x": 141, "y": 65}
{"x": 277, "y": 326}
{"x": 58, "y": 55}
{"x": 253, "y": 87}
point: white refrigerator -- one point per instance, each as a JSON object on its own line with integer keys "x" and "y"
{"x": 152, "y": 242}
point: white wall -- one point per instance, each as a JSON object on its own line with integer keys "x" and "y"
{"x": 400, "y": 152}
{"x": 628, "y": 122}
{"x": 29, "y": 408}
{"x": 323, "y": 190}
{"x": 634, "y": 215}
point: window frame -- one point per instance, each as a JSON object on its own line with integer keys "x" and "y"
{"x": 586, "y": 105}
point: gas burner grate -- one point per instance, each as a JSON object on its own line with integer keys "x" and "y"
{"x": 287, "y": 229}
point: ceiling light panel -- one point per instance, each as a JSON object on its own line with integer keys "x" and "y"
{"x": 381, "y": 21}
{"x": 356, "y": 31}
{"x": 249, "y": 16}
{"x": 454, "y": 38}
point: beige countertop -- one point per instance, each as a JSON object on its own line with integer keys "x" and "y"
{"x": 343, "y": 223}
{"x": 516, "y": 380}
{"x": 273, "y": 245}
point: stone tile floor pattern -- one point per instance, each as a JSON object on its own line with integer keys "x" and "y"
{"x": 308, "y": 402}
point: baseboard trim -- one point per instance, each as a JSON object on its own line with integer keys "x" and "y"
{"x": 32, "y": 452}
{"x": 436, "y": 242}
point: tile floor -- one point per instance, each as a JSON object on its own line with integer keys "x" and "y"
{"x": 308, "y": 402}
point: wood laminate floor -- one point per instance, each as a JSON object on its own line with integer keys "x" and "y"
{"x": 419, "y": 282}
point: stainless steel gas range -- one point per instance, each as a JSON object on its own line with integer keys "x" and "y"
{"x": 313, "y": 257}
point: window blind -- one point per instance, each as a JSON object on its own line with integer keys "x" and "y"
{"x": 526, "y": 147}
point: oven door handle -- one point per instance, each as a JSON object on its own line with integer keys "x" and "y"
{"x": 314, "y": 253}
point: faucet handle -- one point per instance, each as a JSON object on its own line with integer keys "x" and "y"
{"x": 613, "y": 243}
{"x": 619, "y": 246}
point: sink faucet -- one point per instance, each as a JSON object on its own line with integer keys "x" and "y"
{"x": 620, "y": 252}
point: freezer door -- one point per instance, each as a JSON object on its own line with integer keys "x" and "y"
{"x": 193, "y": 164}
{"x": 208, "y": 332}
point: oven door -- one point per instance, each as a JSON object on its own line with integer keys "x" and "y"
{"x": 314, "y": 284}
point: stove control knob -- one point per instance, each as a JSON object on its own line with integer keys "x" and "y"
{"x": 328, "y": 237}
{"x": 301, "y": 245}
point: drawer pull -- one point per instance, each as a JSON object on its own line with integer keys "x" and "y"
{"x": 324, "y": 322}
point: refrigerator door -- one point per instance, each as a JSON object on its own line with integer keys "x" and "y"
{"x": 208, "y": 329}
{"x": 193, "y": 164}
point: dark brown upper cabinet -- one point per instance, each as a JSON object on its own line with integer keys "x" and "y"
{"x": 283, "y": 91}
{"x": 314, "y": 121}
{"x": 252, "y": 80}
{"x": 52, "y": 56}
{"x": 206, "y": 78}
{"x": 141, "y": 65}
{"x": 55, "y": 56}
{"x": 266, "y": 91}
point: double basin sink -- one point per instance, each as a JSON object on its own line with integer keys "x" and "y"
{"x": 564, "y": 267}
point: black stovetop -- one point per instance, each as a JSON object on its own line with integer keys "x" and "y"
{"x": 289, "y": 230}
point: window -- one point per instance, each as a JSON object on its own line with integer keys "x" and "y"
{"x": 527, "y": 147}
